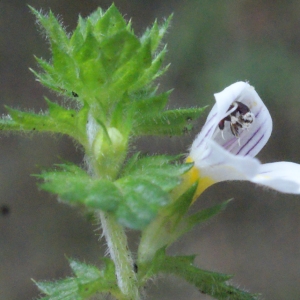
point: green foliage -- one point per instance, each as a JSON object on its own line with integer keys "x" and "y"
{"x": 158, "y": 170}
{"x": 103, "y": 62}
{"x": 108, "y": 74}
{"x": 210, "y": 283}
{"x": 170, "y": 122}
{"x": 75, "y": 186}
{"x": 183, "y": 223}
{"x": 142, "y": 200}
{"x": 56, "y": 119}
{"x": 134, "y": 199}
{"x": 88, "y": 281}
{"x": 172, "y": 222}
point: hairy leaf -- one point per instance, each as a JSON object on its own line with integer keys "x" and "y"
{"x": 134, "y": 200}
{"x": 102, "y": 59}
{"x": 75, "y": 186}
{"x": 56, "y": 119}
{"x": 158, "y": 170}
{"x": 210, "y": 283}
{"x": 170, "y": 122}
{"x": 88, "y": 281}
{"x": 142, "y": 201}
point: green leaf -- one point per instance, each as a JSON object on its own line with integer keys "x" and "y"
{"x": 142, "y": 201}
{"x": 78, "y": 36}
{"x": 171, "y": 122}
{"x": 172, "y": 222}
{"x": 134, "y": 200}
{"x": 49, "y": 78}
{"x": 101, "y": 60}
{"x": 121, "y": 116}
{"x": 87, "y": 282}
{"x": 156, "y": 33}
{"x": 204, "y": 215}
{"x": 66, "y": 289}
{"x": 210, "y": 283}
{"x": 118, "y": 50}
{"x": 57, "y": 119}
{"x": 112, "y": 70}
{"x": 163, "y": 231}
{"x": 186, "y": 223}
{"x": 6, "y": 123}
{"x": 74, "y": 186}
{"x": 179, "y": 207}
{"x": 153, "y": 105}
{"x": 127, "y": 75}
{"x": 95, "y": 16}
{"x": 158, "y": 170}
{"x": 151, "y": 73}
{"x": 53, "y": 28}
{"x": 110, "y": 22}
{"x": 85, "y": 48}
{"x": 65, "y": 66}
{"x": 137, "y": 163}
{"x": 84, "y": 271}
{"x": 91, "y": 280}
{"x": 167, "y": 177}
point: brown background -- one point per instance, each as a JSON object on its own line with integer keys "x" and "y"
{"x": 211, "y": 45}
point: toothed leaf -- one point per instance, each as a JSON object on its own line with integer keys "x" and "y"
{"x": 87, "y": 282}
{"x": 143, "y": 199}
{"x": 171, "y": 122}
{"x": 209, "y": 283}
{"x": 56, "y": 119}
{"x": 75, "y": 186}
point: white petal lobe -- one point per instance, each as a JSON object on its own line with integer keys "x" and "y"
{"x": 281, "y": 176}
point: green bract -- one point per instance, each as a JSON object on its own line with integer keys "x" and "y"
{"x": 134, "y": 198}
{"x": 210, "y": 283}
{"x": 87, "y": 282}
{"x": 109, "y": 74}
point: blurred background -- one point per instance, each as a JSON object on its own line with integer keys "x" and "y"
{"x": 211, "y": 45}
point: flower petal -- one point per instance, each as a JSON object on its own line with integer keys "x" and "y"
{"x": 281, "y": 176}
{"x": 220, "y": 165}
{"x": 250, "y": 140}
{"x": 232, "y": 136}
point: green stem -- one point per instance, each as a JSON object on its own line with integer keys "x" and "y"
{"x": 116, "y": 239}
{"x": 120, "y": 254}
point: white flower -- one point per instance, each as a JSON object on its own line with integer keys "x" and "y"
{"x": 236, "y": 129}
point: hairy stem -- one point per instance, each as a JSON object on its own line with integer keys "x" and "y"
{"x": 120, "y": 254}
{"x": 113, "y": 232}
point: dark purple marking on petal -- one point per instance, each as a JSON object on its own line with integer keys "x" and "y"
{"x": 229, "y": 143}
{"x": 205, "y": 125}
{"x": 258, "y": 113}
{"x": 223, "y": 162}
{"x": 255, "y": 145}
{"x": 265, "y": 172}
{"x": 211, "y": 118}
{"x": 207, "y": 133}
{"x": 253, "y": 135}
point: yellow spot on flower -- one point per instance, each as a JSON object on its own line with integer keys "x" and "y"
{"x": 194, "y": 175}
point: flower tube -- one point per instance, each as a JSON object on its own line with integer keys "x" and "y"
{"x": 236, "y": 129}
